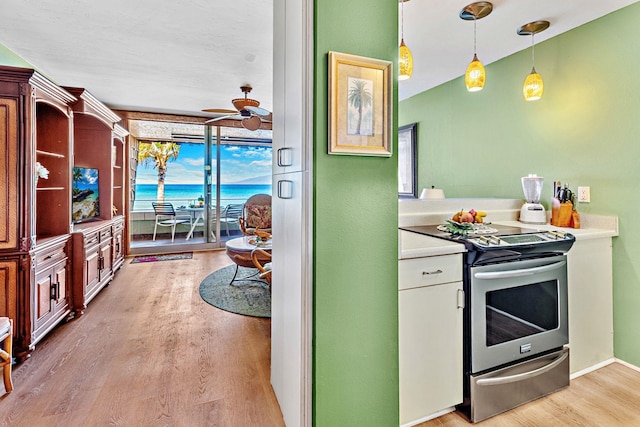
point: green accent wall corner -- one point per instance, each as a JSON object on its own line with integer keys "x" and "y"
{"x": 584, "y": 131}
{"x": 355, "y": 352}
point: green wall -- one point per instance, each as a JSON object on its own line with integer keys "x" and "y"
{"x": 583, "y": 131}
{"x": 355, "y": 240}
{"x": 7, "y": 57}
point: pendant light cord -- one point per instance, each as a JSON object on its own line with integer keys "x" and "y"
{"x": 533, "y": 52}
{"x": 474, "y": 35}
{"x": 402, "y": 20}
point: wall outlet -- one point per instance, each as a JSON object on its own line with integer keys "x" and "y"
{"x": 584, "y": 195}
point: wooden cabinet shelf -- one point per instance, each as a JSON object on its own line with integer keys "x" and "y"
{"x": 43, "y": 276}
{"x": 50, "y": 154}
{"x": 37, "y": 127}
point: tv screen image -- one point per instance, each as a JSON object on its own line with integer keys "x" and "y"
{"x": 86, "y": 201}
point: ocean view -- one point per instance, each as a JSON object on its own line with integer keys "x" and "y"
{"x": 185, "y": 194}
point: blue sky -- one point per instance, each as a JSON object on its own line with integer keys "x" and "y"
{"x": 239, "y": 163}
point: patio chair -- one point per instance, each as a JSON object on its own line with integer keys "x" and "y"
{"x": 166, "y": 217}
{"x": 6, "y": 337}
{"x": 258, "y": 256}
{"x": 230, "y": 215}
{"x": 256, "y": 215}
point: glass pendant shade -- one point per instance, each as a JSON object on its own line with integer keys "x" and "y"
{"x": 475, "y": 76}
{"x": 405, "y": 63}
{"x": 533, "y": 86}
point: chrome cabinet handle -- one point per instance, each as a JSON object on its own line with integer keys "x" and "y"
{"x": 284, "y": 157}
{"x": 285, "y": 189}
{"x": 460, "y": 298}
{"x": 429, "y": 273}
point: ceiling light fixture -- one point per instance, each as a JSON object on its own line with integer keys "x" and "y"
{"x": 405, "y": 62}
{"x": 533, "y": 85}
{"x": 475, "y": 75}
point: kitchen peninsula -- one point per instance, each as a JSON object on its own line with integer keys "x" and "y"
{"x": 431, "y": 301}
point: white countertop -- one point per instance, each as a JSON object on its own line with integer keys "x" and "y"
{"x": 414, "y": 245}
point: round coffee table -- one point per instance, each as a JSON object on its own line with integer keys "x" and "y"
{"x": 239, "y": 250}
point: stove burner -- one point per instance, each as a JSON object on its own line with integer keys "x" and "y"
{"x": 511, "y": 242}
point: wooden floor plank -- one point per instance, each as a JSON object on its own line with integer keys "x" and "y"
{"x": 608, "y": 397}
{"x": 149, "y": 352}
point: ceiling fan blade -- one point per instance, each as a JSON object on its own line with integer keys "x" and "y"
{"x": 252, "y": 123}
{"x": 219, "y": 110}
{"x": 258, "y": 110}
{"x": 232, "y": 116}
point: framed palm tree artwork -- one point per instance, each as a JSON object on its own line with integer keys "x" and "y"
{"x": 359, "y": 105}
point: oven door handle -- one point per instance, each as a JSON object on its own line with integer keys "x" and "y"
{"x": 518, "y": 273}
{"x": 525, "y": 375}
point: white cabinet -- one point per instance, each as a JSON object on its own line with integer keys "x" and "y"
{"x": 430, "y": 306}
{"x": 589, "y": 270}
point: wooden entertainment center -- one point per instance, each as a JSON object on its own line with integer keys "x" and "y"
{"x": 51, "y": 266}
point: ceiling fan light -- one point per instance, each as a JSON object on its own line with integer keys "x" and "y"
{"x": 475, "y": 76}
{"x": 405, "y": 62}
{"x": 252, "y": 123}
{"x": 533, "y": 86}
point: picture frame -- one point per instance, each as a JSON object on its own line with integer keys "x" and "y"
{"x": 360, "y": 105}
{"x": 408, "y": 161}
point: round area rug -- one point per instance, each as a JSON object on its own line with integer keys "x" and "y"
{"x": 248, "y": 297}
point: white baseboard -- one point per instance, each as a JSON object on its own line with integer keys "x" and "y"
{"x": 628, "y": 365}
{"x": 592, "y": 368}
{"x": 428, "y": 417}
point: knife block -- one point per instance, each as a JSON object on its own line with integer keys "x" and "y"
{"x": 563, "y": 214}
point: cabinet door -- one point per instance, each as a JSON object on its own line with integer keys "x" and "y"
{"x": 91, "y": 270}
{"x": 44, "y": 292}
{"x": 118, "y": 253}
{"x": 9, "y": 205}
{"x": 106, "y": 261}
{"x": 60, "y": 280}
{"x": 8, "y": 287}
{"x": 50, "y": 296}
{"x": 288, "y": 325}
{"x": 430, "y": 349}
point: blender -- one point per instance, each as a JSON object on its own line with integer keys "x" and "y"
{"x": 532, "y": 212}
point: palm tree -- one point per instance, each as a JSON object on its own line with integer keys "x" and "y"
{"x": 77, "y": 176}
{"x": 359, "y": 97}
{"x": 158, "y": 153}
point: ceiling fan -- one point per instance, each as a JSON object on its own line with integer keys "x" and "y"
{"x": 247, "y": 110}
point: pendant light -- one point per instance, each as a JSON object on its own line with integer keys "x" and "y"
{"x": 475, "y": 76}
{"x": 533, "y": 85}
{"x": 405, "y": 62}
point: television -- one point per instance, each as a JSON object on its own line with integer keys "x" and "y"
{"x": 85, "y": 194}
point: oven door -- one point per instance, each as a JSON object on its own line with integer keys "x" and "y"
{"x": 518, "y": 309}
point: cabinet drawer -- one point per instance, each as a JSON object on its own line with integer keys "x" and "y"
{"x": 118, "y": 226}
{"x": 413, "y": 273}
{"x": 105, "y": 234}
{"x": 92, "y": 238}
{"x": 47, "y": 258}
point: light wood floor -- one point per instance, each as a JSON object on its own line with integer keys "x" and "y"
{"x": 608, "y": 397}
{"x": 149, "y": 352}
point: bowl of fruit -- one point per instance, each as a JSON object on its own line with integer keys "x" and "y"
{"x": 463, "y": 222}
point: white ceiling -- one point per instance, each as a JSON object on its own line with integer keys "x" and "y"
{"x": 182, "y": 57}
